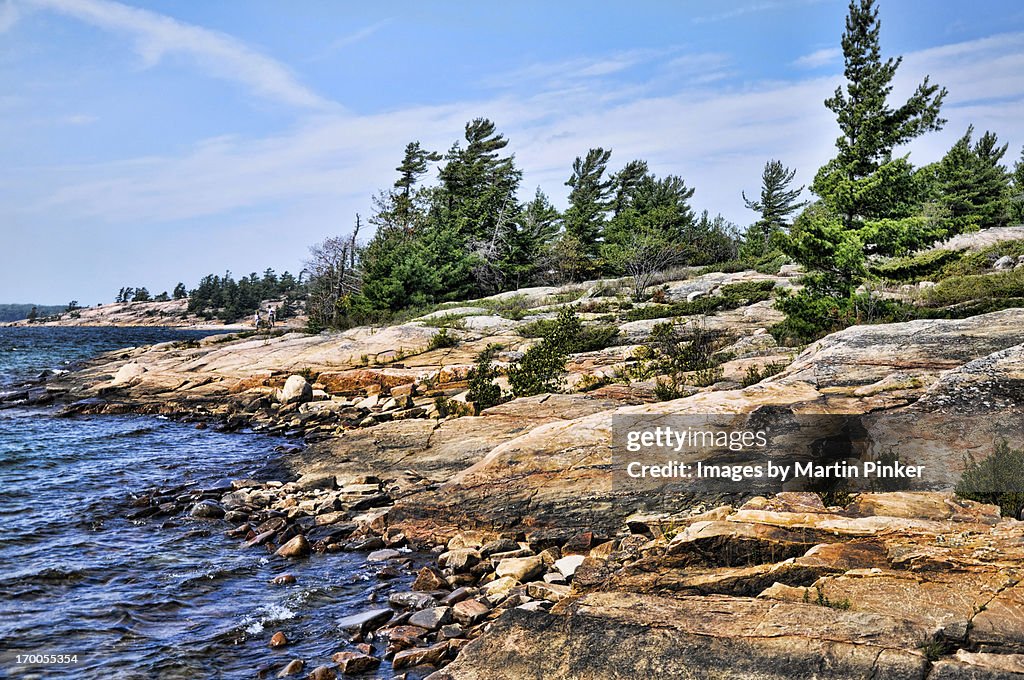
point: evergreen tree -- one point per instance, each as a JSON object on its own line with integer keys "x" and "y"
{"x": 870, "y": 128}
{"x": 413, "y": 166}
{"x": 528, "y": 238}
{"x": 179, "y": 292}
{"x": 625, "y": 183}
{"x": 973, "y": 186}
{"x": 776, "y": 205}
{"x": 478, "y": 186}
{"x": 589, "y": 199}
{"x": 1017, "y": 191}
{"x": 33, "y": 314}
{"x": 141, "y": 295}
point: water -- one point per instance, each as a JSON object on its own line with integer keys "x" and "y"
{"x": 143, "y": 599}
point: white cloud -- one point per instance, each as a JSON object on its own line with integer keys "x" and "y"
{"x": 751, "y": 8}
{"x": 8, "y": 15}
{"x": 352, "y": 38}
{"x": 819, "y": 58}
{"x": 219, "y": 55}
{"x": 717, "y": 139}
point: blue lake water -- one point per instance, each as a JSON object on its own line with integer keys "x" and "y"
{"x": 141, "y": 599}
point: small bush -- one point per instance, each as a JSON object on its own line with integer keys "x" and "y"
{"x": 823, "y": 600}
{"x": 446, "y": 321}
{"x": 731, "y": 296}
{"x": 595, "y": 338}
{"x": 513, "y": 307}
{"x": 982, "y": 261}
{"x": 589, "y": 382}
{"x": 537, "y": 329}
{"x": 441, "y": 340}
{"x": 484, "y": 392}
{"x": 756, "y": 374}
{"x": 998, "y": 479}
{"x": 915, "y": 267}
{"x": 541, "y": 368}
{"x": 976, "y": 287}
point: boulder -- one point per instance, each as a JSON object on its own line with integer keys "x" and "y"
{"x": 431, "y": 618}
{"x": 296, "y": 547}
{"x": 520, "y": 568}
{"x": 351, "y": 663}
{"x": 296, "y": 390}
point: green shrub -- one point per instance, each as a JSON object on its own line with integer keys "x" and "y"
{"x": 998, "y": 479}
{"x": 484, "y": 392}
{"x": 676, "y": 352}
{"x": 983, "y": 287}
{"x": 513, "y": 307}
{"x": 441, "y": 340}
{"x": 541, "y": 368}
{"x": 731, "y": 296}
{"x": 982, "y": 260}
{"x": 537, "y": 329}
{"x": 915, "y": 267}
{"x": 594, "y": 338}
{"x": 756, "y": 374}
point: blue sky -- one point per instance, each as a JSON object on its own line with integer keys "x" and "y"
{"x": 148, "y": 143}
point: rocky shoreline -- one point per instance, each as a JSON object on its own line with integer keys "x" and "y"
{"x": 541, "y": 567}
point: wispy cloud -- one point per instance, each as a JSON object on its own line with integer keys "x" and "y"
{"x": 351, "y": 39}
{"x": 217, "y": 54}
{"x": 716, "y": 139}
{"x": 751, "y": 8}
{"x": 819, "y": 58}
{"x": 559, "y": 73}
{"x": 8, "y": 15}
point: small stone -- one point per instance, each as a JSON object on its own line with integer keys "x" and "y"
{"x": 282, "y": 580}
{"x": 296, "y": 547}
{"x": 457, "y": 595}
{"x": 355, "y": 662}
{"x": 207, "y": 510}
{"x": 469, "y": 612}
{"x": 499, "y": 546}
{"x": 359, "y": 623}
{"x": 500, "y": 586}
{"x": 296, "y": 390}
{"x": 459, "y": 560}
{"x": 431, "y": 618}
{"x": 294, "y": 666}
{"x": 451, "y": 631}
{"x": 567, "y": 565}
{"x": 411, "y": 600}
{"x": 421, "y": 655}
{"x": 278, "y": 639}
{"x": 520, "y": 568}
{"x": 323, "y": 673}
{"x": 547, "y": 591}
{"x": 316, "y": 480}
{"x": 429, "y": 579}
{"x": 383, "y": 555}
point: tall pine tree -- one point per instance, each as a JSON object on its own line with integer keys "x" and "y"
{"x": 776, "y": 204}
{"x": 588, "y": 200}
{"x": 973, "y": 186}
{"x": 870, "y": 128}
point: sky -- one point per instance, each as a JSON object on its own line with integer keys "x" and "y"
{"x": 148, "y": 143}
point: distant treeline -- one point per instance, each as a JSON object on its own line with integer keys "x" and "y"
{"x": 17, "y": 312}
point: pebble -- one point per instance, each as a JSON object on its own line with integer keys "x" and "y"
{"x": 278, "y": 639}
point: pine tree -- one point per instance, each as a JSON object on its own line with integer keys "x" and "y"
{"x": 625, "y": 183}
{"x": 777, "y": 203}
{"x": 413, "y": 166}
{"x": 589, "y": 199}
{"x": 527, "y": 239}
{"x": 478, "y": 186}
{"x": 870, "y": 128}
{"x": 973, "y": 186}
{"x": 1017, "y": 191}
{"x": 179, "y": 292}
